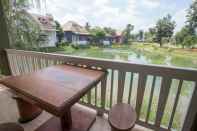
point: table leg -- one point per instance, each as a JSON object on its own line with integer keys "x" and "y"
{"x": 27, "y": 110}
{"x": 66, "y": 120}
{"x": 82, "y": 119}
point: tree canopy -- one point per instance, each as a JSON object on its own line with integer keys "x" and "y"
{"x": 187, "y": 37}
{"x": 127, "y": 33}
{"x": 23, "y": 31}
{"x": 180, "y": 36}
{"x": 192, "y": 17}
{"x": 109, "y": 30}
{"x": 164, "y": 28}
{"x": 98, "y": 34}
{"x": 141, "y": 35}
{"x": 60, "y": 32}
{"x": 150, "y": 35}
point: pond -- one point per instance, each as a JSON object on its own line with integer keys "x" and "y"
{"x": 143, "y": 56}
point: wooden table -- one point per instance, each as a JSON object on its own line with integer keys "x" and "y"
{"x": 56, "y": 89}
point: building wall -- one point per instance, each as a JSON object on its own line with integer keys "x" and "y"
{"x": 68, "y": 36}
{"x": 107, "y": 40}
{"x": 76, "y": 38}
{"x": 50, "y": 40}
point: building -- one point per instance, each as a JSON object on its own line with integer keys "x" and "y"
{"x": 76, "y": 34}
{"x": 108, "y": 40}
{"x": 118, "y": 37}
{"x": 48, "y": 29}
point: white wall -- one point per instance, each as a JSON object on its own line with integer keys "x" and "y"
{"x": 82, "y": 42}
{"x": 52, "y": 39}
{"x": 105, "y": 42}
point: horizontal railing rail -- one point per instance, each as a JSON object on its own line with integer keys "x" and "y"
{"x": 163, "y": 97}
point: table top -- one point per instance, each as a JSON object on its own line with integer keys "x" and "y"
{"x": 55, "y": 88}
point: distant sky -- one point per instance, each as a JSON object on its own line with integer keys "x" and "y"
{"x": 118, "y": 13}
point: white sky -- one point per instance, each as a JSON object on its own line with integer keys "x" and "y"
{"x": 118, "y": 13}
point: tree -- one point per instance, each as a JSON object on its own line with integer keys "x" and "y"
{"x": 134, "y": 37}
{"x": 192, "y": 17}
{"x": 150, "y": 35}
{"x": 180, "y": 36}
{"x": 60, "y": 32}
{"x": 5, "y": 43}
{"x": 141, "y": 35}
{"x": 23, "y": 31}
{"x": 127, "y": 33}
{"x": 109, "y": 30}
{"x": 190, "y": 41}
{"x": 98, "y": 34}
{"x": 184, "y": 38}
{"x": 164, "y": 29}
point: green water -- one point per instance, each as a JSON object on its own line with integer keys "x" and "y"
{"x": 126, "y": 53}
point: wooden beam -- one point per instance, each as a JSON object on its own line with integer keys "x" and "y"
{"x": 4, "y": 66}
{"x": 194, "y": 125}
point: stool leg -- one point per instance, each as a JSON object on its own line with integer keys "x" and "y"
{"x": 113, "y": 129}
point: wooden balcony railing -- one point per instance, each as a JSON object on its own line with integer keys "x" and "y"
{"x": 164, "y": 97}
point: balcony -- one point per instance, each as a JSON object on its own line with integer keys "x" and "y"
{"x": 163, "y": 97}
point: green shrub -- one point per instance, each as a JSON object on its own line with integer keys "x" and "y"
{"x": 76, "y": 46}
{"x": 59, "y": 44}
{"x": 190, "y": 41}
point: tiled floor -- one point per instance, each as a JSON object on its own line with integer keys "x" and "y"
{"x": 9, "y": 113}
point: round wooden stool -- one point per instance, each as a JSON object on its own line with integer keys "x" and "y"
{"x": 122, "y": 117}
{"x": 10, "y": 127}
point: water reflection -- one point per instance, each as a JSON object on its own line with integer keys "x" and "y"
{"x": 138, "y": 56}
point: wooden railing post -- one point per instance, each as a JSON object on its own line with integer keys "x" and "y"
{"x": 103, "y": 96}
{"x": 192, "y": 111}
{"x": 4, "y": 66}
{"x": 194, "y": 124}
{"x": 121, "y": 82}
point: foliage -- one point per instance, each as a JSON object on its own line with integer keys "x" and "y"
{"x": 192, "y": 17}
{"x": 187, "y": 36}
{"x": 141, "y": 35}
{"x": 23, "y": 31}
{"x": 150, "y": 35}
{"x": 98, "y": 34}
{"x": 190, "y": 40}
{"x": 180, "y": 36}
{"x": 51, "y": 49}
{"x": 60, "y": 32}
{"x": 127, "y": 33}
{"x": 164, "y": 28}
{"x": 109, "y": 30}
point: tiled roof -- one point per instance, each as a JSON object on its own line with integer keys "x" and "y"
{"x": 74, "y": 27}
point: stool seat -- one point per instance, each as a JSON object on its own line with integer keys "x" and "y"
{"x": 122, "y": 117}
{"x": 10, "y": 127}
